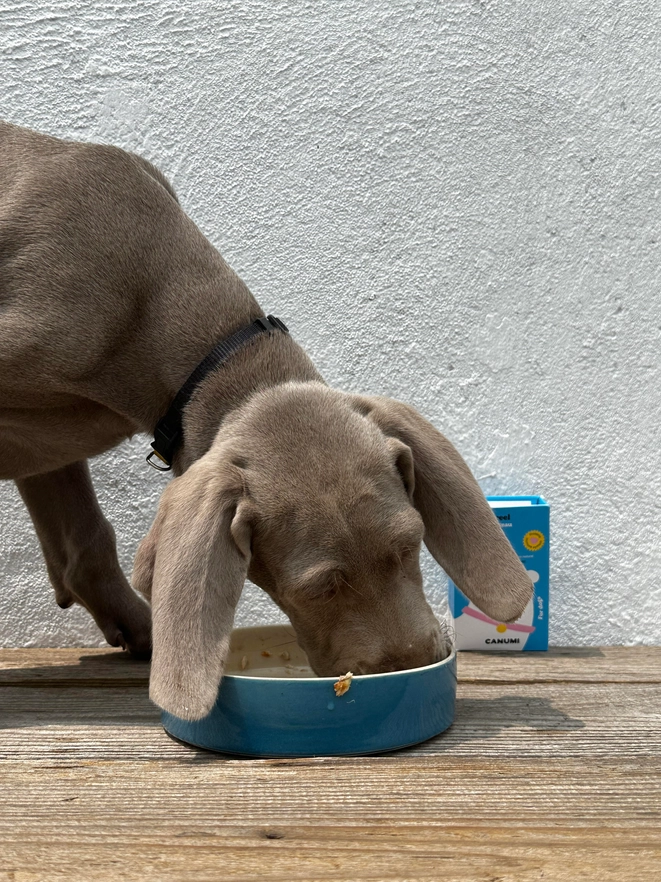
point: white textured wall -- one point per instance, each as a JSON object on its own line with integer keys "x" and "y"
{"x": 455, "y": 203}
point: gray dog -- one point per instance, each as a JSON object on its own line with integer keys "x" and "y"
{"x": 110, "y": 297}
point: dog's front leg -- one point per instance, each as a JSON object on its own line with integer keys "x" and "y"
{"x": 81, "y": 556}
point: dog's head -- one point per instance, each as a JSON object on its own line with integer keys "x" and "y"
{"x": 323, "y": 499}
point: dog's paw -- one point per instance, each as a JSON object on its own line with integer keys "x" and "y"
{"x": 132, "y": 630}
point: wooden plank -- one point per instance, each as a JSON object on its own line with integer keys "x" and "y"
{"x": 381, "y": 818}
{"x": 92, "y": 668}
{"x": 441, "y": 791}
{"x": 605, "y": 664}
{"x": 552, "y": 771}
{"x": 99, "y": 667}
{"x": 465, "y": 854}
{"x": 538, "y": 720}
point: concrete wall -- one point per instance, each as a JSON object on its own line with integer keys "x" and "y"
{"x": 454, "y": 203}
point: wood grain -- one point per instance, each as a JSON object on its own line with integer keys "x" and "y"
{"x": 90, "y": 668}
{"x": 559, "y": 720}
{"x": 378, "y": 818}
{"x": 551, "y": 771}
{"x": 98, "y": 667}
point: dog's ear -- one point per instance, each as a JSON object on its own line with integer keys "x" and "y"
{"x": 193, "y": 564}
{"x": 461, "y": 531}
{"x": 403, "y": 459}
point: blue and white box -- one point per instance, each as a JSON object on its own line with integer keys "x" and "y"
{"x": 525, "y": 521}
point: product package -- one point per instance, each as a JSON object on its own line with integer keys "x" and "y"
{"x": 525, "y": 521}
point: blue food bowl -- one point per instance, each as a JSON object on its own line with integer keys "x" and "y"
{"x": 271, "y": 704}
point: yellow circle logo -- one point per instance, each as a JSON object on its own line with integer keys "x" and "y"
{"x": 534, "y": 540}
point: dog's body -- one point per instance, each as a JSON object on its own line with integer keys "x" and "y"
{"x": 109, "y": 297}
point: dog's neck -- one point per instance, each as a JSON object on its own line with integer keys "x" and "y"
{"x": 267, "y": 361}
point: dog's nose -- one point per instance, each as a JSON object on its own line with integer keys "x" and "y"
{"x": 427, "y": 652}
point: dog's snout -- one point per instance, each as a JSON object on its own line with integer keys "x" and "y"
{"x": 413, "y": 655}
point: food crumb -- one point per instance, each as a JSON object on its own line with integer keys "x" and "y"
{"x": 244, "y": 662}
{"x": 285, "y": 656}
{"x": 343, "y": 684}
{"x": 266, "y": 654}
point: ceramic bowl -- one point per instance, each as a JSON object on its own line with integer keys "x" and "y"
{"x": 271, "y": 704}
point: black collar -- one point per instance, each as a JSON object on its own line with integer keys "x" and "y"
{"x": 167, "y": 434}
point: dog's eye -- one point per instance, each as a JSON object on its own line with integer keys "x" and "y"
{"x": 406, "y": 554}
{"x": 335, "y": 586}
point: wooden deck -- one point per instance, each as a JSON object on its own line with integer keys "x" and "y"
{"x": 552, "y": 771}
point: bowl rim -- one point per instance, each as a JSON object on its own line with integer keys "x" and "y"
{"x": 253, "y": 678}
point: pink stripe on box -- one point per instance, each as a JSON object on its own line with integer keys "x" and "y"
{"x": 527, "y": 629}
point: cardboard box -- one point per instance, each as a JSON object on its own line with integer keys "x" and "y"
{"x": 525, "y": 521}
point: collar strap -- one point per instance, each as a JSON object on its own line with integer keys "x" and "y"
{"x": 167, "y": 434}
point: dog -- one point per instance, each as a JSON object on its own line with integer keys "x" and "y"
{"x": 109, "y": 298}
